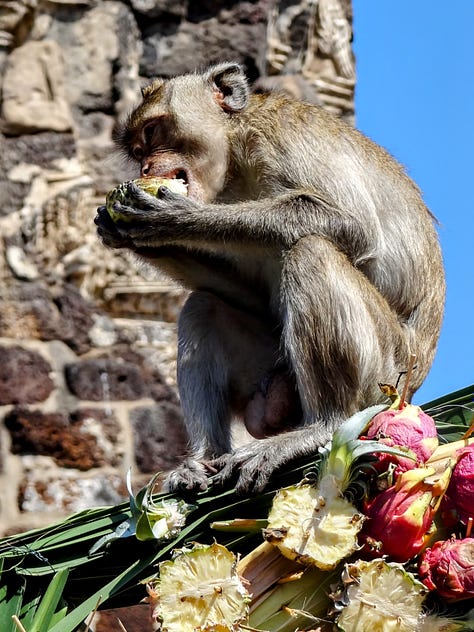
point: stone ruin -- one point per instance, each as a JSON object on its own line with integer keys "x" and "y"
{"x": 87, "y": 338}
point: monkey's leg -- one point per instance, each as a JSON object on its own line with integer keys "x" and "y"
{"x": 341, "y": 338}
{"x": 223, "y": 354}
{"x": 340, "y": 335}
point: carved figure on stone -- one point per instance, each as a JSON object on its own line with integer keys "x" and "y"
{"x": 16, "y": 17}
{"x": 38, "y": 101}
{"x": 313, "y": 264}
{"x": 312, "y": 38}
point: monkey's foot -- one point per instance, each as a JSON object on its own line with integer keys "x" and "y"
{"x": 252, "y": 465}
{"x": 189, "y": 477}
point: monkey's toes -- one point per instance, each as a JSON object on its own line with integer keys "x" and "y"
{"x": 188, "y": 478}
{"x": 249, "y": 473}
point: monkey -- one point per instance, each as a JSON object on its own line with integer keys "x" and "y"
{"x": 313, "y": 264}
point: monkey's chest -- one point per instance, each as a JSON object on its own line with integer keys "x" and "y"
{"x": 252, "y": 280}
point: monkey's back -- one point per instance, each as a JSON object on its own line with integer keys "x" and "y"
{"x": 288, "y": 145}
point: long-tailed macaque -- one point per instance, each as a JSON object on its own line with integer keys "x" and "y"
{"x": 313, "y": 262}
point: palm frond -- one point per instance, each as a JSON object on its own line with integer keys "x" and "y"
{"x": 52, "y": 578}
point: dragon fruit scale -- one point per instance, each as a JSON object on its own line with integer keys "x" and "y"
{"x": 404, "y": 425}
{"x": 448, "y": 568}
{"x": 400, "y": 518}
{"x": 459, "y": 499}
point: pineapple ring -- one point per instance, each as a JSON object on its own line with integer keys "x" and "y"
{"x": 199, "y": 590}
{"x": 312, "y": 528}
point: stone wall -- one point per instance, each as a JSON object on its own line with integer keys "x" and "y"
{"x": 87, "y": 339}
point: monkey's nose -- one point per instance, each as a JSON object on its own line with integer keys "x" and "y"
{"x": 145, "y": 169}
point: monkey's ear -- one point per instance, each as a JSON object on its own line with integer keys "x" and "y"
{"x": 230, "y": 86}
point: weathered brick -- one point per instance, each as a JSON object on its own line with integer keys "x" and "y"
{"x": 45, "y": 492}
{"x": 24, "y": 376}
{"x": 102, "y": 379}
{"x": 85, "y": 439}
{"x": 159, "y": 437}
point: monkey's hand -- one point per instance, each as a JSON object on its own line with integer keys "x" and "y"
{"x": 108, "y": 231}
{"x": 144, "y": 220}
{"x": 252, "y": 465}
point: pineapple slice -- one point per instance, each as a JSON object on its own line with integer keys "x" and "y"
{"x": 314, "y": 525}
{"x": 199, "y": 591}
{"x": 379, "y": 596}
{"x": 150, "y": 185}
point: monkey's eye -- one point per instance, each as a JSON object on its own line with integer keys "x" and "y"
{"x": 138, "y": 153}
{"x": 148, "y": 133}
{"x": 153, "y": 133}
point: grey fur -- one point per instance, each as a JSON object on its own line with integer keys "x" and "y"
{"x": 308, "y": 250}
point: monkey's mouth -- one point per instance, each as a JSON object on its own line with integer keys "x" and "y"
{"x": 183, "y": 182}
{"x": 187, "y": 178}
{"x": 177, "y": 174}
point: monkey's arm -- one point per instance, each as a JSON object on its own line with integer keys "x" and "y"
{"x": 148, "y": 222}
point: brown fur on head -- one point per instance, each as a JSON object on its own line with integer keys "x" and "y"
{"x": 162, "y": 133}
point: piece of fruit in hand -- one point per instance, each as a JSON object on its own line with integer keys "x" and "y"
{"x": 150, "y": 185}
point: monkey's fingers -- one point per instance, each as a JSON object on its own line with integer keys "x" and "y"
{"x": 108, "y": 231}
{"x": 138, "y": 198}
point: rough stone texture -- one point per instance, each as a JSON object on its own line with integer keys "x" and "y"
{"x": 103, "y": 46}
{"x": 24, "y": 376}
{"x": 85, "y": 439}
{"x": 38, "y": 101}
{"x": 68, "y": 494}
{"x": 33, "y": 310}
{"x": 104, "y": 379}
{"x": 80, "y": 323}
{"x": 16, "y": 18}
{"x": 209, "y": 36}
{"x": 154, "y": 429}
{"x": 42, "y": 151}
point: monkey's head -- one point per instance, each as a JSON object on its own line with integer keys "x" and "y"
{"x": 180, "y": 129}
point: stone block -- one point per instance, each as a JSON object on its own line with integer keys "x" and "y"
{"x": 105, "y": 379}
{"x": 159, "y": 437}
{"x": 118, "y": 374}
{"x": 32, "y": 311}
{"x": 85, "y": 439}
{"x": 37, "y": 102}
{"x": 24, "y": 376}
{"x": 48, "y": 492}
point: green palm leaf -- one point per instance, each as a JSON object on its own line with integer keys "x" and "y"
{"x": 44, "y": 569}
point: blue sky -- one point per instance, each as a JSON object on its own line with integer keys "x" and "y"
{"x": 415, "y": 96}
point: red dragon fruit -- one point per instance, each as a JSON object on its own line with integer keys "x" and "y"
{"x": 448, "y": 568}
{"x": 400, "y": 517}
{"x": 403, "y": 425}
{"x": 459, "y": 500}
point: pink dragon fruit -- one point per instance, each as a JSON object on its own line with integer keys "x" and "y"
{"x": 400, "y": 517}
{"x": 448, "y": 568}
{"x": 459, "y": 500}
{"x": 406, "y": 426}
